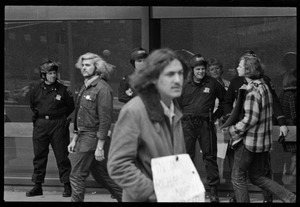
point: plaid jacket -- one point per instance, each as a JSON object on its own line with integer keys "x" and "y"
{"x": 256, "y": 127}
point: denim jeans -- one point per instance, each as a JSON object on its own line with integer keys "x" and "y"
{"x": 81, "y": 162}
{"x": 100, "y": 174}
{"x": 268, "y": 172}
{"x": 255, "y": 163}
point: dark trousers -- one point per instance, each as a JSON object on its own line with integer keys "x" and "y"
{"x": 267, "y": 169}
{"x": 56, "y": 133}
{"x": 208, "y": 143}
{"x": 254, "y": 164}
{"x": 100, "y": 174}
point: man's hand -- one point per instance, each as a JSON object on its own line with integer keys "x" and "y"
{"x": 283, "y": 130}
{"x": 71, "y": 146}
{"x": 224, "y": 118}
{"x": 129, "y": 92}
{"x": 225, "y": 131}
{"x": 99, "y": 154}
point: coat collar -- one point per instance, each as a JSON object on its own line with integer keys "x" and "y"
{"x": 155, "y": 111}
{"x": 54, "y": 85}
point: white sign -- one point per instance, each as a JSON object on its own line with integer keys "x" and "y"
{"x": 222, "y": 149}
{"x": 176, "y": 179}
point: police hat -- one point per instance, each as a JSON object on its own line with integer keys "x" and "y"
{"x": 197, "y": 60}
{"x": 48, "y": 65}
{"x": 289, "y": 60}
{"x": 138, "y": 53}
{"x": 248, "y": 53}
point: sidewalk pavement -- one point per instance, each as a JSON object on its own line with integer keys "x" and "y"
{"x": 54, "y": 194}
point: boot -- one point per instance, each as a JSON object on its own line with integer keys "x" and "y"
{"x": 35, "y": 191}
{"x": 268, "y": 197}
{"x": 232, "y": 199}
{"x": 214, "y": 195}
{"x": 67, "y": 190}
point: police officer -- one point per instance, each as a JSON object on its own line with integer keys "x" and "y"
{"x": 51, "y": 103}
{"x": 137, "y": 57}
{"x": 197, "y": 103}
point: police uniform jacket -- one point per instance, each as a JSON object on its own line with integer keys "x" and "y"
{"x": 198, "y": 98}
{"x": 55, "y": 102}
{"x": 123, "y": 87}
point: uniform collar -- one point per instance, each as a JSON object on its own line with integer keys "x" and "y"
{"x": 204, "y": 80}
{"x": 54, "y": 85}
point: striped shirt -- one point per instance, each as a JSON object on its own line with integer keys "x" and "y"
{"x": 256, "y": 127}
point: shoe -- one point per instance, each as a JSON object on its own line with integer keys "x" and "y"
{"x": 214, "y": 195}
{"x": 67, "y": 190}
{"x": 232, "y": 199}
{"x": 35, "y": 191}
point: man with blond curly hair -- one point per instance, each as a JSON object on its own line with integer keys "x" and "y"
{"x": 93, "y": 118}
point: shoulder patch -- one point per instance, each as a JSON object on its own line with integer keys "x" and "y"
{"x": 69, "y": 92}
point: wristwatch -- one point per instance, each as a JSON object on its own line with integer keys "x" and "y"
{"x": 100, "y": 148}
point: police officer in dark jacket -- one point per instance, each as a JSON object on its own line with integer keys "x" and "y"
{"x": 278, "y": 117}
{"x": 137, "y": 57}
{"x": 51, "y": 103}
{"x": 197, "y": 103}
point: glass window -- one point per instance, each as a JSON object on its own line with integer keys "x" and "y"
{"x": 27, "y": 44}
{"x": 226, "y": 38}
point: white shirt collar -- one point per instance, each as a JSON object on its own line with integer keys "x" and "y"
{"x": 169, "y": 112}
{"x": 87, "y": 82}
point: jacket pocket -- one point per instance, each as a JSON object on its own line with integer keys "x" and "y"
{"x": 89, "y": 100}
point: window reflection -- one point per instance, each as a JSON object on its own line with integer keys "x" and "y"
{"x": 226, "y": 38}
{"x": 27, "y": 44}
